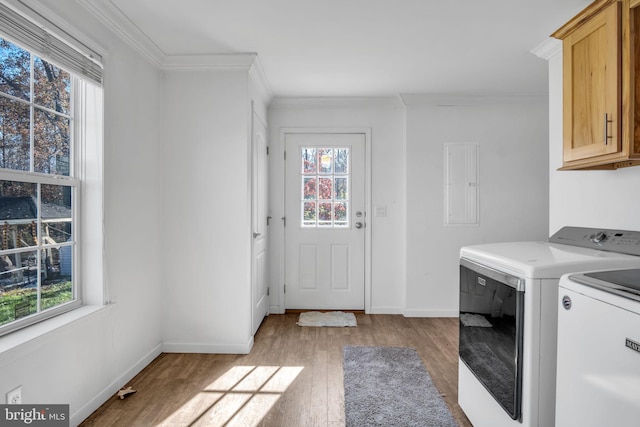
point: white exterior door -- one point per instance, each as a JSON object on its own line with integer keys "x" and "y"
{"x": 325, "y": 221}
{"x": 259, "y": 220}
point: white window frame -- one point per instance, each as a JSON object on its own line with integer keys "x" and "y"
{"x": 49, "y": 179}
{"x": 86, "y": 175}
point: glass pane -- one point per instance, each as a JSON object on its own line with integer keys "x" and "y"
{"x": 15, "y": 70}
{"x": 325, "y": 160}
{"x": 56, "y": 276}
{"x": 19, "y": 285}
{"x": 51, "y": 86}
{"x": 324, "y": 213}
{"x": 18, "y": 214}
{"x": 340, "y": 213}
{"x": 56, "y": 214}
{"x": 341, "y": 189}
{"x": 51, "y": 143}
{"x": 325, "y": 189}
{"x": 309, "y": 188}
{"x": 308, "y": 156}
{"x": 342, "y": 160}
{"x": 309, "y": 213}
{"x": 14, "y": 135}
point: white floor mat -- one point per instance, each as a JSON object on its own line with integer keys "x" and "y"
{"x": 332, "y": 318}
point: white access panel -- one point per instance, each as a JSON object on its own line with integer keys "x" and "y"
{"x": 461, "y": 183}
{"x": 598, "y": 369}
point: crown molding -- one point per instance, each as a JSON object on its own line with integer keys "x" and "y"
{"x": 548, "y": 48}
{"x": 444, "y": 99}
{"x": 221, "y": 61}
{"x": 337, "y": 102}
{"x": 257, "y": 74}
{"x": 110, "y": 15}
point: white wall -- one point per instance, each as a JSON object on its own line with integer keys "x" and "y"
{"x": 600, "y": 199}
{"x": 385, "y": 118}
{"x": 206, "y": 263}
{"x": 513, "y": 186}
{"x": 84, "y": 362}
{"x": 414, "y": 256}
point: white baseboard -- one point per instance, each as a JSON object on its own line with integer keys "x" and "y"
{"x": 430, "y": 313}
{"x": 245, "y": 348}
{"x": 385, "y": 310}
{"x": 94, "y": 403}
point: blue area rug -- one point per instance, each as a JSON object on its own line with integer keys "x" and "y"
{"x": 389, "y": 386}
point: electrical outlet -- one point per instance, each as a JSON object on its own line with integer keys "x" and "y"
{"x": 14, "y": 397}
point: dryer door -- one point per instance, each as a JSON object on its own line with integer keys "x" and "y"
{"x": 491, "y": 321}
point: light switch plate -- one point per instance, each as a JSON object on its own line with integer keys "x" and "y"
{"x": 381, "y": 211}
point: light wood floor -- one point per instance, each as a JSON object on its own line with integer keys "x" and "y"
{"x": 292, "y": 377}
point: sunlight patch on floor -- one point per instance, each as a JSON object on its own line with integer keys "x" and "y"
{"x": 240, "y": 397}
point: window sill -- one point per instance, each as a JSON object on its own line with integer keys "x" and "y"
{"x": 31, "y": 333}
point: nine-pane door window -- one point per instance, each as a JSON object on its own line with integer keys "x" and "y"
{"x": 324, "y": 187}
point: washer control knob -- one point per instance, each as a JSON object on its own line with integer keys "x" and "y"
{"x": 598, "y": 237}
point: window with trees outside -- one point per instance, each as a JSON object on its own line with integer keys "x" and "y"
{"x": 38, "y": 187}
{"x": 324, "y": 187}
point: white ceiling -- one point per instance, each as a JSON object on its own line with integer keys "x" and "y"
{"x": 361, "y": 47}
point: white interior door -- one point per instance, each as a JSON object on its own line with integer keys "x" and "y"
{"x": 259, "y": 215}
{"x": 325, "y": 221}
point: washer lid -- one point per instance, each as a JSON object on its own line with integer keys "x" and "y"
{"x": 540, "y": 260}
{"x": 629, "y": 278}
{"x": 625, "y": 283}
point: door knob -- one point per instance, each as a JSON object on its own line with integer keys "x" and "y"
{"x": 358, "y": 225}
{"x": 255, "y": 234}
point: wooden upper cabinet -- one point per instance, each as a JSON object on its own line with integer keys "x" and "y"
{"x": 591, "y": 86}
{"x": 599, "y": 87}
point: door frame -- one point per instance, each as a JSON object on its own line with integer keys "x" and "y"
{"x": 255, "y": 115}
{"x": 367, "y": 194}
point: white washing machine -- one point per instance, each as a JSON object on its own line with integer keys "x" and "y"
{"x": 598, "y": 376}
{"x": 508, "y": 320}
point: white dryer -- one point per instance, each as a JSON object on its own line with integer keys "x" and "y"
{"x": 508, "y": 320}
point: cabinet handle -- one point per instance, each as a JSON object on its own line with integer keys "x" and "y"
{"x": 606, "y": 129}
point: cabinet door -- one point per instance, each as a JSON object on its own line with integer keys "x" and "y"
{"x": 591, "y": 61}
